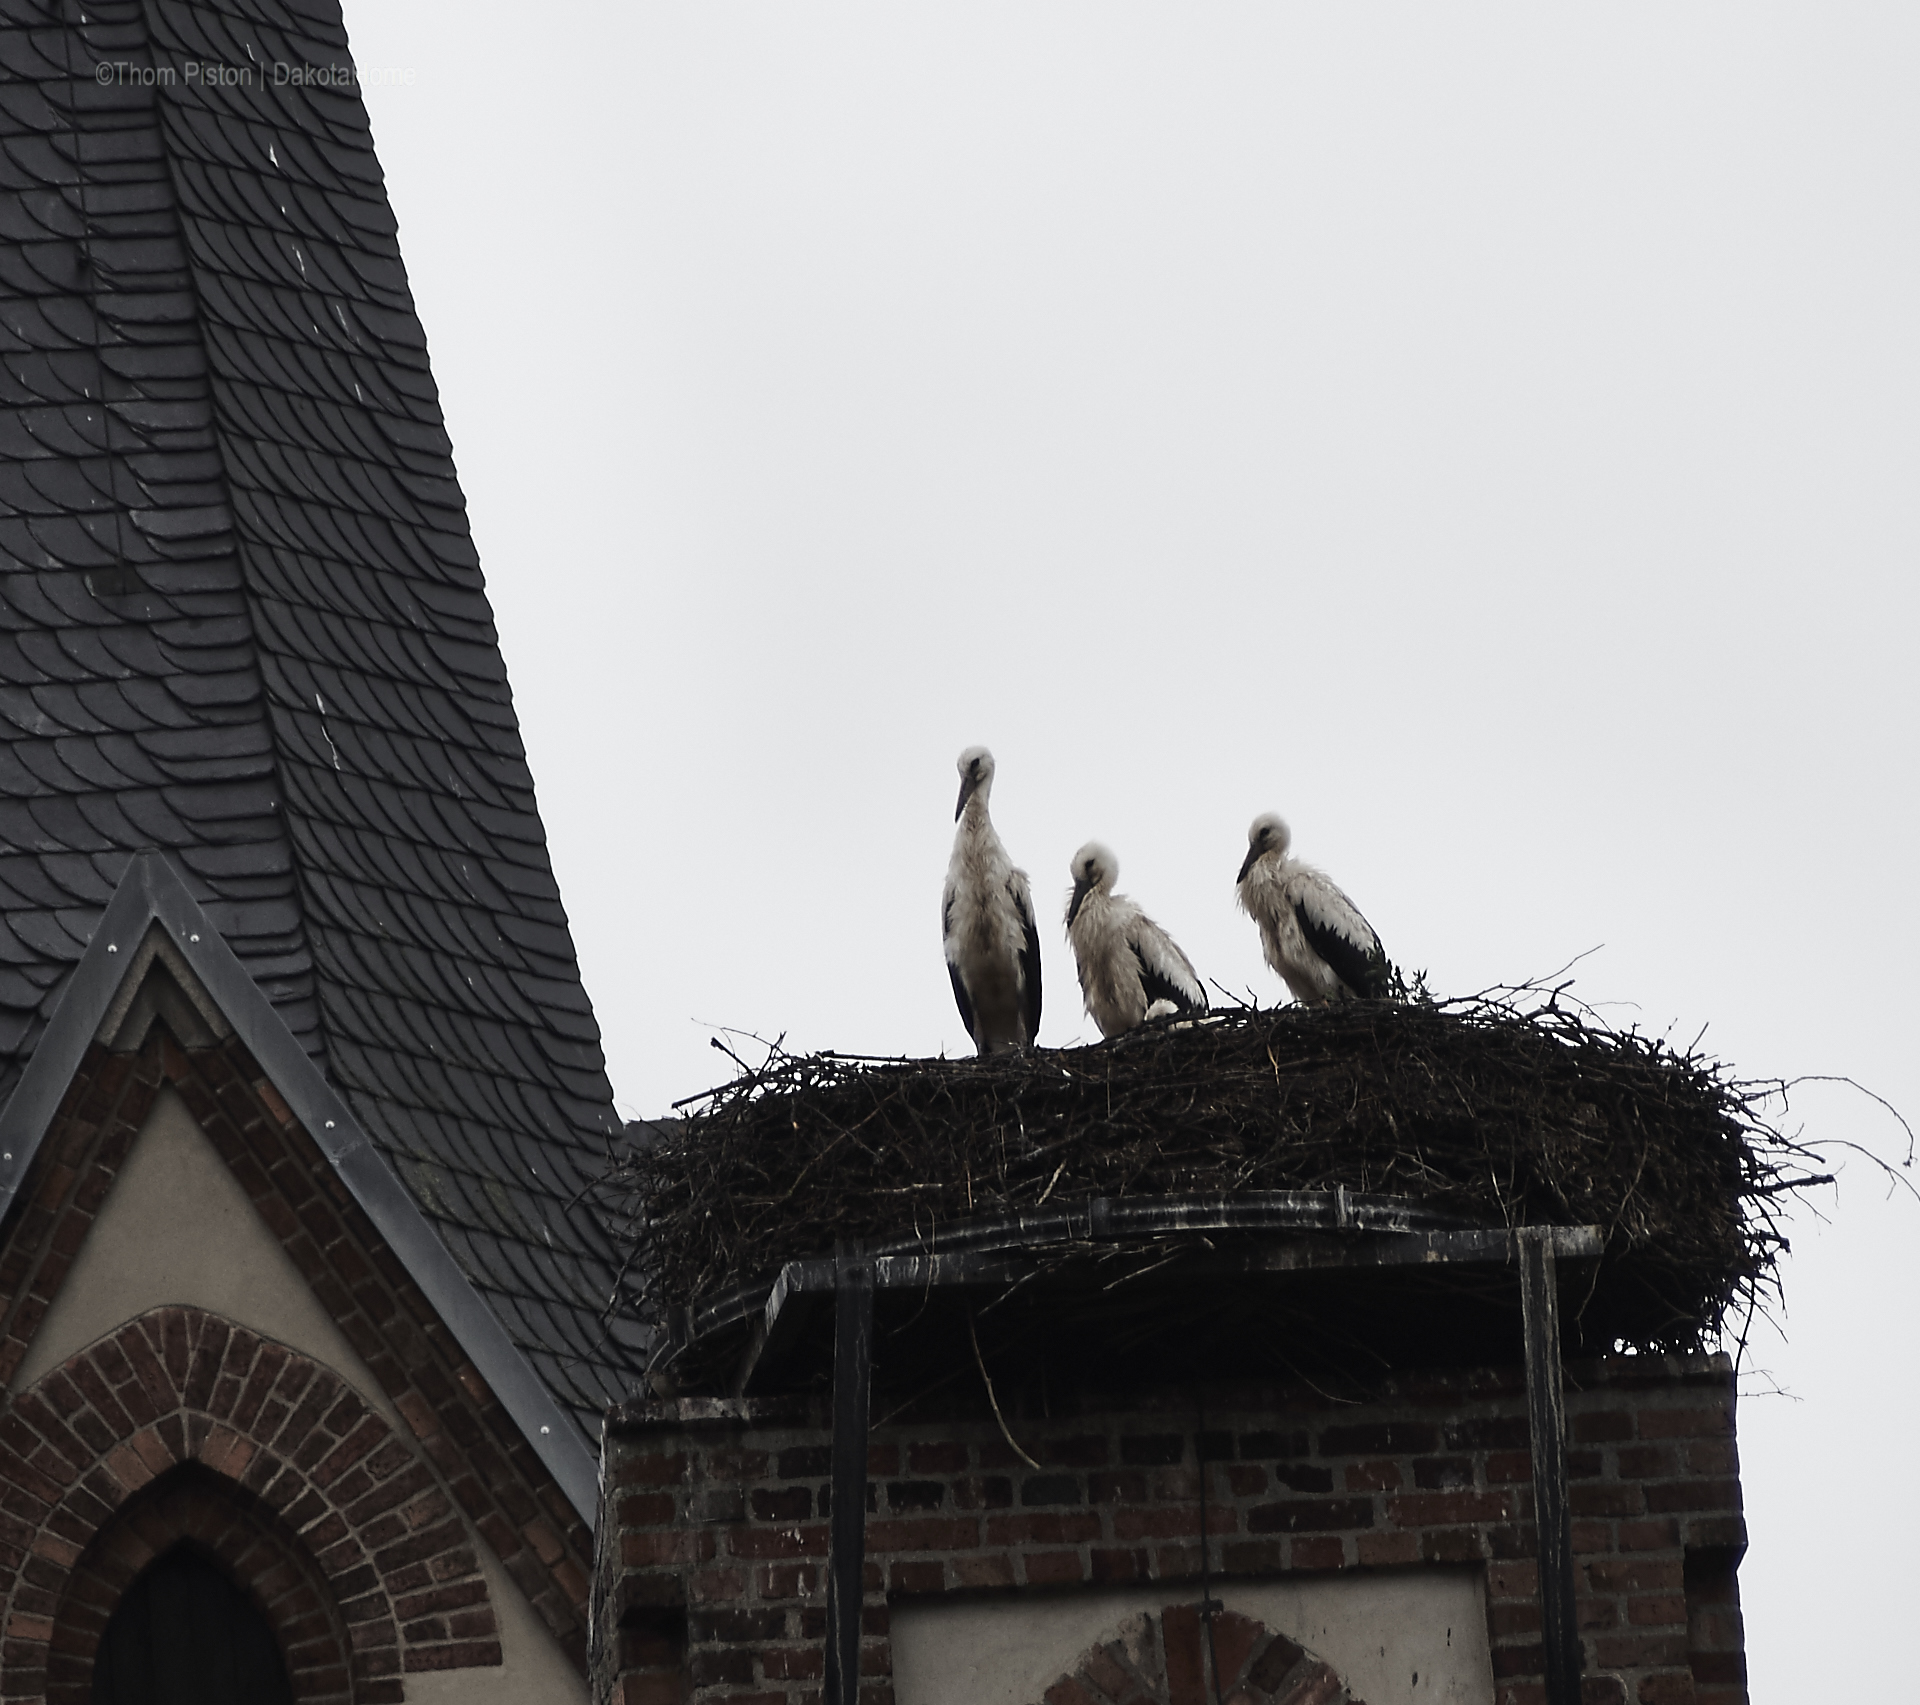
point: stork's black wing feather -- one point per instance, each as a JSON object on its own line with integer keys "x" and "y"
{"x": 960, "y": 998}
{"x": 1362, "y": 968}
{"x": 1029, "y": 965}
{"x": 1159, "y": 987}
{"x": 953, "y": 971}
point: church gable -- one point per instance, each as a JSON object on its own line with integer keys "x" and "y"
{"x": 175, "y": 1204}
{"x": 156, "y": 957}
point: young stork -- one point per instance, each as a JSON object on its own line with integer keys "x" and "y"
{"x": 1313, "y": 935}
{"x": 986, "y": 921}
{"x": 1130, "y": 968}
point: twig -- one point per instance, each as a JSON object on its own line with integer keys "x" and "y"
{"x": 986, "y": 1379}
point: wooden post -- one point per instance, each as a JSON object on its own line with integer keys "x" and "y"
{"x": 1547, "y": 1423}
{"x": 847, "y": 1527}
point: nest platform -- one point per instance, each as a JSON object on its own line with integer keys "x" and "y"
{"x": 1134, "y": 1193}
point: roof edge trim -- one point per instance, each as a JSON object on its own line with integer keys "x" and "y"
{"x": 151, "y": 891}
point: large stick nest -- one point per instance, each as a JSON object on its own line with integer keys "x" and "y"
{"x": 1501, "y": 1111}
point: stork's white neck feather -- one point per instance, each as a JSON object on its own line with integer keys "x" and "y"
{"x": 980, "y": 863}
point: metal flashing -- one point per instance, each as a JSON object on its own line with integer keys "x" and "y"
{"x": 151, "y": 893}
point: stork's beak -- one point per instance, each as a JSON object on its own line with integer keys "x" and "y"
{"x": 968, "y": 783}
{"x": 1246, "y": 864}
{"x": 1081, "y": 889}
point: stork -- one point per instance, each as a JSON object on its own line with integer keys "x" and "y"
{"x": 1312, "y": 934}
{"x": 1130, "y": 968}
{"x": 986, "y": 922}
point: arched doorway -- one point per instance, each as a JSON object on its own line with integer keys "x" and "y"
{"x": 185, "y": 1634}
{"x": 197, "y": 1562}
{"x": 186, "y": 1427}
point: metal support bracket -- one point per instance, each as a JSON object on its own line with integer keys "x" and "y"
{"x": 847, "y": 1524}
{"x": 785, "y": 1313}
{"x": 1547, "y": 1425}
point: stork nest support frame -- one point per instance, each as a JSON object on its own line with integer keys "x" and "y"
{"x": 1499, "y": 1110}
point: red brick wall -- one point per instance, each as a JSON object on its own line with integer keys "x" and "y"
{"x": 354, "y": 1533}
{"x": 713, "y": 1540}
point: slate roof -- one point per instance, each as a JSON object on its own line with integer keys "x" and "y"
{"x": 242, "y": 621}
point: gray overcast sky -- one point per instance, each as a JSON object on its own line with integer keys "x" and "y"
{"x": 1486, "y": 434}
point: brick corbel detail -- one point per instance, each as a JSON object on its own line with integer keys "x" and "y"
{"x": 178, "y": 1388}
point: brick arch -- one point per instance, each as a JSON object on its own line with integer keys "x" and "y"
{"x": 179, "y": 1386}
{"x": 1161, "y": 1658}
{"x": 191, "y": 1505}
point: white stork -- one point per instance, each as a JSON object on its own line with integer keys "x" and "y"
{"x": 1313, "y": 935}
{"x": 986, "y": 922}
{"x": 1130, "y": 968}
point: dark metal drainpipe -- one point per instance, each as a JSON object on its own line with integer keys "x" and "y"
{"x": 847, "y": 1524}
{"x": 1547, "y": 1425}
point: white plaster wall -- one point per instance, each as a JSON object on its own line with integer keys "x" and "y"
{"x": 177, "y": 1228}
{"x": 1418, "y": 1638}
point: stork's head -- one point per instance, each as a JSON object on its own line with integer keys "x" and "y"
{"x": 976, "y": 776}
{"x": 1269, "y": 834}
{"x": 1095, "y": 869}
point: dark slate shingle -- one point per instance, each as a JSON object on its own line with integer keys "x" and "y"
{"x": 242, "y": 620}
